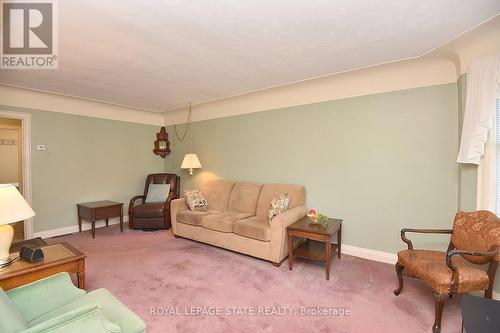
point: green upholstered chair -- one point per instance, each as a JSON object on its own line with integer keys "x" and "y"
{"x": 55, "y": 305}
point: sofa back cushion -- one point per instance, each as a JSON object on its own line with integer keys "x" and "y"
{"x": 11, "y": 320}
{"x": 217, "y": 193}
{"x": 244, "y": 197}
{"x": 296, "y": 193}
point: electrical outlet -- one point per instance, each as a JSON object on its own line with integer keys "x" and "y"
{"x": 41, "y": 147}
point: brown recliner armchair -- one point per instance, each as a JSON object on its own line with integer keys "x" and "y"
{"x": 475, "y": 240}
{"x": 153, "y": 216}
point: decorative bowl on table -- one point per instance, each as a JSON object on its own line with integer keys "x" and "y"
{"x": 316, "y": 218}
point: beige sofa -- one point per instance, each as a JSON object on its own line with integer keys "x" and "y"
{"x": 236, "y": 218}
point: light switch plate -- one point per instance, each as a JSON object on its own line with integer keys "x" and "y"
{"x": 41, "y": 147}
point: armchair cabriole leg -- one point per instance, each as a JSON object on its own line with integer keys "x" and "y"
{"x": 399, "y": 272}
{"x": 439, "y": 302}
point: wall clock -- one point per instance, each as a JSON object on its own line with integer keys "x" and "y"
{"x": 162, "y": 145}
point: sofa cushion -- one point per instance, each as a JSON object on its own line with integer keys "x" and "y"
{"x": 296, "y": 194}
{"x": 148, "y": 210}
{"x": 255, "y": 227}
{"x": 222, "y": 222}
{"x": 244, "y": 198}
{"x": 11, "y": 320}
{"x": 112, "y": 308}
{"x": 217, "y": 193}
{"x": 193, "y": 217}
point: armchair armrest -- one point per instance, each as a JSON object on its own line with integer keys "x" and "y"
{"x": 421, "y": 231}
{"x": 133, "y": 200}
{"x": 42, "y": 296}
{"x": 449, "y": 255}
{"x": 170, "y": 197}
{"x": 88, "y": 318}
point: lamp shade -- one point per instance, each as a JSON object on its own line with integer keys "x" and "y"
{"x": 190, "y": 161}
{"x": 13, "y": 207}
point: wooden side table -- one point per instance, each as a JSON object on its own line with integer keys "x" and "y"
{"x": 98, "y": 210}
{"x": 317, "y": 241}
{"x": 61, "y": 257}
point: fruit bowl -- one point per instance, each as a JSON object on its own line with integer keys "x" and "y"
{"x": 316, "y": 218}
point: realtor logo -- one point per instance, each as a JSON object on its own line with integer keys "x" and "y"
{"x": 29, "y": 34}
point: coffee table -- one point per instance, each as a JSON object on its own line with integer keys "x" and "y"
{"x": 98, "y": 210}
{"x": 317, "y": 241}
{"x": 60, "y": 257}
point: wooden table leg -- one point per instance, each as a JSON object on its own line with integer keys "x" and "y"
{"x": 81, "y": 274}
{"x": 121, "y": 220}
{"x": 328, "y": 258}
{"x": 81, "y": 279}
{"x": 290, "y": 252}
{"x": 79, "y": 223}
{"x": 339, "y": 241}
{"x": 107, "y": 222}
{"x": 93, "y": 229}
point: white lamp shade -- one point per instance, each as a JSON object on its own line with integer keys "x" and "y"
{"x": 13, "y": 207}
{"x": 190, "y": 161}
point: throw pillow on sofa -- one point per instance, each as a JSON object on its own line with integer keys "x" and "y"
{"x": 195, "y": 200}
{"x": 279, "y": 204}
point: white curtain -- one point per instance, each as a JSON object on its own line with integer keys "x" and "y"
{"x": 483, "y": 88}
{"x": 486, "y": 175}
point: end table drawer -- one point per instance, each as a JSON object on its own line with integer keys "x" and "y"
{"x": 106, "y": 212}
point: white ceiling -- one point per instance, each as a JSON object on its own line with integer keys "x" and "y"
{"x": 159, "y": 55}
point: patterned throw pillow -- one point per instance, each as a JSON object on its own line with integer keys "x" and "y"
{"x": 195, "y": 200}
{"x": 278, "y": 205}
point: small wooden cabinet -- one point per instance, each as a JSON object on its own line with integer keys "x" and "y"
{"x": 99, "y": 210}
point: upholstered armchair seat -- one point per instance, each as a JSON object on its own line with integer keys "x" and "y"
{"x": 55, "y": 305}
{"x": 149, "y": 210}
{"x": 153, "y": 215}
{"x": 430, "y": 266}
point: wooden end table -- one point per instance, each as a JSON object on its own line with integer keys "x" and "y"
{"x": 60, "y": 257}
{"x": 317, "y": 243}
{"x": 99, "y": 210}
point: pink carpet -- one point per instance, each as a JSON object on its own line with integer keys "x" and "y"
{"x": 153, "y": 269}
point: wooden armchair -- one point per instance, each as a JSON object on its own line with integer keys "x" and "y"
{"x": 475, "y": 240}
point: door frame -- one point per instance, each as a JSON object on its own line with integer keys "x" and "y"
{"x": 25, "y": 118}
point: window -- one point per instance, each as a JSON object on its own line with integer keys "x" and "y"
{"x": 497, "y": 165}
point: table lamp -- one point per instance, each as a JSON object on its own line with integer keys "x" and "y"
{"x": 13, "y": 208}
{"x": 191, "y": 161}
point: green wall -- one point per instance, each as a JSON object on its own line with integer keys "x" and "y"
{"x": 381, "y": 162}
{"x": 467, "y": 172}
{"x": 87, "y": 159}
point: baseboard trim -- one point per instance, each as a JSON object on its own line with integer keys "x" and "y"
{"x": 380, "y": 256}
{"x": 74, "y": 228}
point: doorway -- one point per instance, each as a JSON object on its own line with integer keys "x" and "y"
{"x": 15, "y": 161}
{"x": 11, "y": 157}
